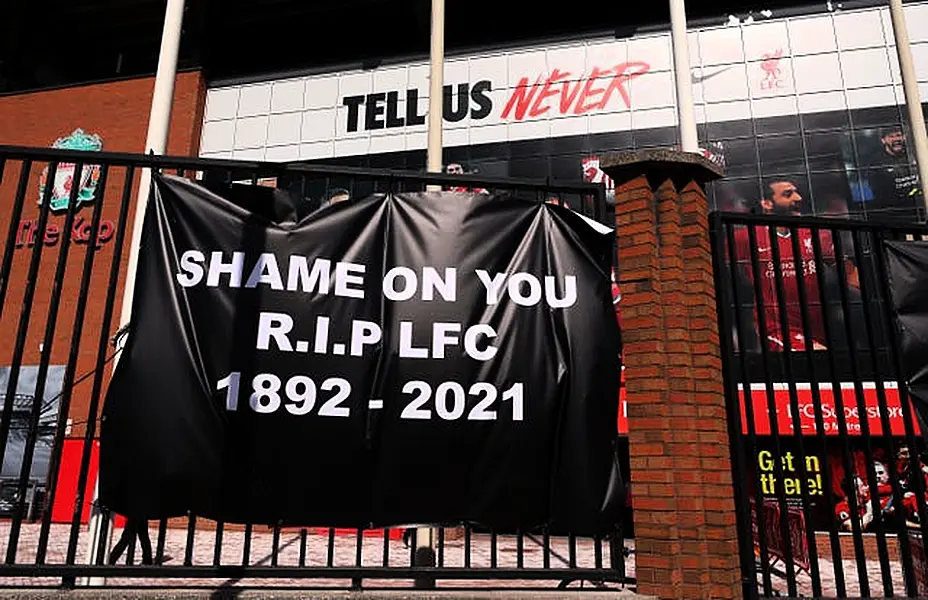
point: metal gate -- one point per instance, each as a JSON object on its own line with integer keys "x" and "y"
{"x": 61, "y": 279}
{"x": 828, "y": 457}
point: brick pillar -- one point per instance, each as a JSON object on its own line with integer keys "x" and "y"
{"x": 685, "y": 536}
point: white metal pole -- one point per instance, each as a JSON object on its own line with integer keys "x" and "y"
{"x": 156, "y": 142}
{"x": 436, "y": 87}
{"x": 913, "y": 100}
{"x": 425, "y": 552}
{"x": 686, "y": 113}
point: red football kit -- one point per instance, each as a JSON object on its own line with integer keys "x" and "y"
{"x": 805, "y": 264}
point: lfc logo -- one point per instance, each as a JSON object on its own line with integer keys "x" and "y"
{"x": 773, "y": 74}
{"x": 65, "y": 176}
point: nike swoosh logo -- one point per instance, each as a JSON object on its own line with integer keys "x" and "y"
{"x": 702, "y": 77}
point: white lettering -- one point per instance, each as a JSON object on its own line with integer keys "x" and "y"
{"x": 570, "y": 292}
{"x": 322, "y": 335}
{"x": 516, "y": 289}
{"x": 265, "y": 271}
{"x": 441, "y": 338}
{"x": 493, "y": 286}
{"x": 407, "y": 350}
{"x": 190, "y": 263}
{"x": 349, "y": 274}
{"x": 277, "y": 326}
{"x": 300, "y": 277}
{"x": 410, "y": 283}
{"x": 232, "y": 269}
{"x": 470, "y": 342}
{"x": 445, "y": 286}
{"x": 364, "y": 333}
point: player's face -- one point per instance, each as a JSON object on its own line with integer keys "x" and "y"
{"x": 882, "y": 474}
{"x": 894, "y": 143}
{"x": 783, "y": 198}
{"x": 903, "y": 455}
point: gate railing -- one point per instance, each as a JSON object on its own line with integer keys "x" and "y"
{"x": 827, "y": 450}
{"x": 65, "y": 214}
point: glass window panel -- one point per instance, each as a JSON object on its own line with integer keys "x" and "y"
{"x": 740, "y": 156}
{"x": 735, "y": 195}
{"x": 831, "y": 193}
{"x": 781, "y": 154}
{"x": 825, "y": 120}
{"x": 786, "y": 124}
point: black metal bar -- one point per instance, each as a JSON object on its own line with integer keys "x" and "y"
{"x": 130, "y": 551}
{"x": 748, "y": 393}
{"x": 833, "y": 536}
{"x": 275, "y": 545}
{"x": 838, "y": 395}
{"x": 358, "y": 547}
{"x": 799, "y": 270}
{"x": 105, "y": 525}
{"x": 162, "y": 538}
{"x": 246, "y": 546}
{"x": 572, "y": 550}
{"x": 898, "y": 373}
{"x": 520, "y": 551}
{"x": 330, "y": 551}
{"x": 493, "y": 550}
{"x": 64, "y": 408}
{"x": 770, "y": 220}
{"x": 546, "y": 556}
{"x": 441, "y": 546}
{"x": 303, "y": 547}
{"x": 91, "y": 426}
{"x": 385, "y": 553}
{"x": 15, "y": 216}
{"x": 739, "y": 466}
{"x": 467, "y": 541}
{"x": 236, "y": 572}
{"x": 863, "y": 419}
{"x": 48, "y": 340}
{"x": 905, "y": 551}
{"x": 22, "y": 329}
{"x": 266, "y": 168}
{"x": 763, "y": 332}
{"x": 217, "y": 544}
{"x": 191, "y": 538}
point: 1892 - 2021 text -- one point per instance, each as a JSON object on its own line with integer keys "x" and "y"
{"x": 299, "y": 395}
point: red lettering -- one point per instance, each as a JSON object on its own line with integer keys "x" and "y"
{"x": 521, "y": 99}
{"x": 567, "y": 98}
{"x": 588, "y": 92}
{"x": 105, "y": 233}
{"x": 583, "y": 96}
{"x": 547, "y": 92}
{"x": 51, "y": 234}
{"x": 80, "y": 232}
{"x": 620, "y": 81}
{"x": 22, "y": 232}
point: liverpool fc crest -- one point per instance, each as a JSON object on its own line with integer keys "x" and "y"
{"x": 87, "y": 180}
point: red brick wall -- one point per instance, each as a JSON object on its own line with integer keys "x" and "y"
{"x": 118, "y": 113}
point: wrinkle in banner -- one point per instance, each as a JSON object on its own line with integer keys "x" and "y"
{"x": 406, "y": 358}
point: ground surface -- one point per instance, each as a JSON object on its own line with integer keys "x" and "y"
{"x": 345, "y": 554}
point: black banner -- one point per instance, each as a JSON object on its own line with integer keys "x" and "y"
{"x": 409, "y": 358}
{"x": 907, "y": 266}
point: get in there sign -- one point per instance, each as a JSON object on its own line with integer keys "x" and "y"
{"x": 410, "y": 358}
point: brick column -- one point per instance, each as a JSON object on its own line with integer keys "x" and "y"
{"x": 685, "y": 536}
